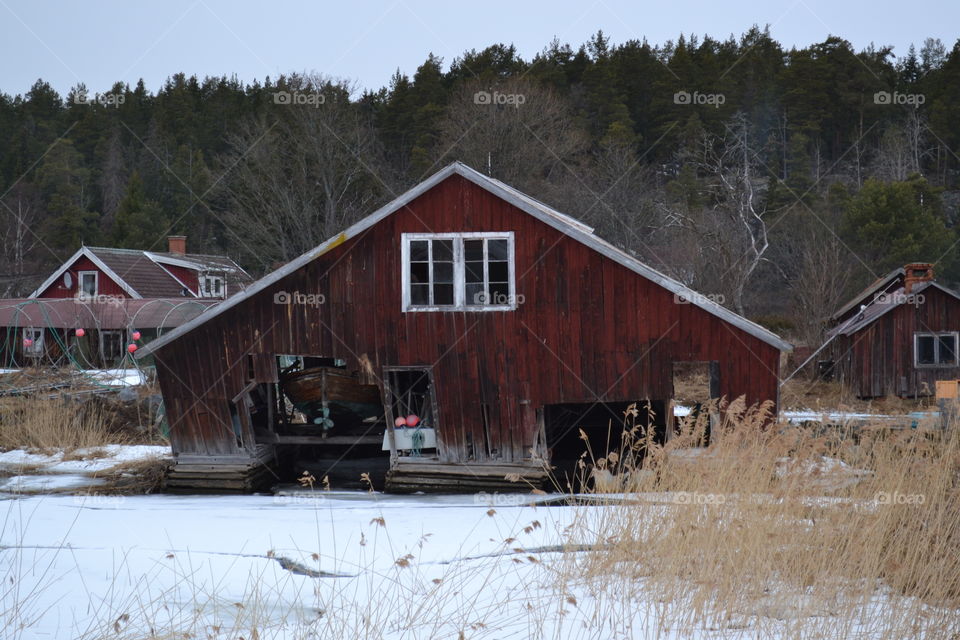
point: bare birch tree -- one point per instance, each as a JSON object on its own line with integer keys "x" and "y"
{"x": 729, "y": 229}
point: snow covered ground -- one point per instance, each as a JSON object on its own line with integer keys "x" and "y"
{"x": 325, "y": 565}
{"x": 39, "y": 473}
{"x": 95, "y": 566}
{"x": 117, "y": 377}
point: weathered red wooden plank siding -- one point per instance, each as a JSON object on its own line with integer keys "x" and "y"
{"x": 589, "y": 329}
{"x": 878, "y": 360}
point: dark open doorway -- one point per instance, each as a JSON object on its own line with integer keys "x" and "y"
{"x": 327, "y": 421}
{"x": 696, "y": 392}
{"x": 602, "y": 423}
{"x": 410, "y": 400}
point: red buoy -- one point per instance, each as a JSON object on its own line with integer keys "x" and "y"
{"x": 131, "y": 348}
{"x": 80, "y": 333}
{"x": 412, "y": 420}
{"x": 400, "y": 422}
{"x": 135, "y": 335}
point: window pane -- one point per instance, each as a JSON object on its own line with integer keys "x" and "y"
{"x": 443, "y": 294}
{"x": 475, "y": 295}
{"x": 499, "y": 272}
{"x": 89, "y": 284}
{"x": 474, "y": 272}
{"x": 420, "y": 294}
{"x": 418, "y": 250}
{"x": 948, "y": 350}
{"x": 925, "y": 347}
{"x": 473, "y": 250}
{"x": 443, "y": 272}
{"x": 419, "y": 272}
{"x": 499, "y": 293}
{"x": 497, "y": 249}
{"x": 443, "y": 250}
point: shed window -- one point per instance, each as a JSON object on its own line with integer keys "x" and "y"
{"x": 458, "y": 271}
{"x": 935, "y": 349}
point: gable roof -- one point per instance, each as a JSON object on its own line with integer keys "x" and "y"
{"x": 560, "y": 221}
{"x": 883, "y": 304}
{"x": 868, "y": 293}
{"x": 143, "y": 274}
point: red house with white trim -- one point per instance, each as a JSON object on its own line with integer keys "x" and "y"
{"x": 88, "y": 309}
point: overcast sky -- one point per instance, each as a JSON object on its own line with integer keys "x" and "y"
{"x": 99, "y": 43}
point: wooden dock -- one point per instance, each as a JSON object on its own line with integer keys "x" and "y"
{"x": 409, "y": 475}
{"x": 225, "y": 474}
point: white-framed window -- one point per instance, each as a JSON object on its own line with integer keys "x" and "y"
{"x": 458, "y": 271}
{"x": 88, "y": 284}
{"x": 935, "y": 349}
{"x": 32, "y": 341}
{"x": 212, "y": 287}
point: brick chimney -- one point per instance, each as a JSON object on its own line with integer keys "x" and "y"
{"x": 915, "y": 273}
{"x": 177, "y": 244}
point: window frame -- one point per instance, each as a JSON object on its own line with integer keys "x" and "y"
{"x": 96, "y": 284}
{"x": 103, "y": 336}
{"x": 936, "y": 335}
{"x": 459, "y": 271}
{"x": 36, "y": 348}
{"x": 205, "y": 289}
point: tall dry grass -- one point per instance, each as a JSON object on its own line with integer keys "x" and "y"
{"x": 47, "y": 425}
{"x": 840, "y": 533}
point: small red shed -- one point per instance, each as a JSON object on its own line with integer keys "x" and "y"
{"x": 899, "y": 338}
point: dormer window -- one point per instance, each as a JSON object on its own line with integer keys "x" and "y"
{"x": 458, "y": 272}
{"x": 88, "y": 284}
{"x": 212, "y": 287}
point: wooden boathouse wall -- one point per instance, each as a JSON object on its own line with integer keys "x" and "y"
{"x": 588, "y": 329}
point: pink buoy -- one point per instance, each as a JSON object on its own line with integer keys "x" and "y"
{"x": 400, "y": 422}
{"x": 131, "y": 348}
{"x": 80, "y": 333}
{"x": 412, "y": 420}
{"x": 27, "y": 342}
{"x": 135, "y": 335}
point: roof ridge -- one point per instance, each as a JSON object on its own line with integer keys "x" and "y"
{"x": 565, "y": 224}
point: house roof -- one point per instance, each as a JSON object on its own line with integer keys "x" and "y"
{"x": 144, "y": 274}
{"x": 560, "y": 221}
{"x": 882, "y": 305}
{"x": 868, "y": 293}
{"x": 126, "y": 313}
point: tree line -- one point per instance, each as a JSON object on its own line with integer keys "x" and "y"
{"x": 775, "y": 181}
